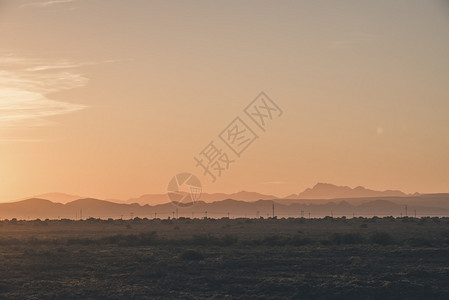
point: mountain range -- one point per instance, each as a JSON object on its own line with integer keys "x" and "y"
{"x": 319, "y": 191}
{"x": 330, "y": 191}
{"x": 423, "y": 205}
{"x": 322, "y": 200}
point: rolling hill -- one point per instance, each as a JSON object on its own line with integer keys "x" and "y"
{"x": 95, "y": 208}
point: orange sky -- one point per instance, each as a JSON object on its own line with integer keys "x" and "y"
{"x": 111, "y": 98}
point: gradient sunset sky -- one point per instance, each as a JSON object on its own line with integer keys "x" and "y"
{"x": 111, "y": 98}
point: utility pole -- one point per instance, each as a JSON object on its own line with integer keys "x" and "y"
{"x": 273, "y": 210}
{"x": 177, "y": 215}
{"x": 81, "y": 214}
{"x": 205, "y": 213}
{"x": 406, "y": 214}
{"x": 309, "y": 214}
{"x": 155, "y": 214}
{"x": 228, "y": 215}
{"x": 302, "y": 214}
{"x": 173, "y": 213}
{"x": 332, "y": 214}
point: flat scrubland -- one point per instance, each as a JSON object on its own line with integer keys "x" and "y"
{"x": 330, "y": 258}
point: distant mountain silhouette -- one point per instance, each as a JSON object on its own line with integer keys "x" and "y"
{"x": 430, "y": 205}
{"x": 330, "y": 191}
{"x": 151, "y": 199}
{"x": 58, "y": 197}
{"x": 319, "y": 191}
{"x": 154, "y": 199}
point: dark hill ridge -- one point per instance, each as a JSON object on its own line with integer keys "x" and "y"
{"x": 330, "y": 191}
{"x": 41, "y": 208}
{"x": 319, "y": 191}
{"x": 154, "y": 199}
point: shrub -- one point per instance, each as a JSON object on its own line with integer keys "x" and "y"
{"x": 229, "y": 240}
{"x": 275, "y": 240}
{"x": 347, "y": 238}
{"x": 300, "y": 241}
{"x": 381, "y": 238}
{"x": 419, "y": 242}
{"x": 204, "y": 239}
{"x": 191, "y": 255}
{"x": 445, "y": 233}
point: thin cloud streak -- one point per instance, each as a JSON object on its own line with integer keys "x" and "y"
{"x": 23, "y": 93}
{"x": 46, "y": 3}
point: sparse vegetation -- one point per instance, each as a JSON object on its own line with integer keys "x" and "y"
{"x": 269, "y": 258}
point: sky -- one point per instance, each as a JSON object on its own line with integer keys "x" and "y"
{"x": 112, "y": 98}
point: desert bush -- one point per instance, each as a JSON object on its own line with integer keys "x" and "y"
{"x": 297, "y": 240}
{"x": 346, "y": 238}
{"x": 80, "y": 241}
{"x": 191, "y": 255}
{"x": 381, "y": 238}
{"x": 275, "y": 240}
{"x": 229, "y": 240}
{"x": 419, "y": 242}
{"x": 204, "y": 239}
{"x": 445, "y": 233}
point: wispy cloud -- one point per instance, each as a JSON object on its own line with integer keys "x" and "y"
{"x": 24, "y": 100}
{"x": 45, "y": 3}
{"x": 56, "y": 66}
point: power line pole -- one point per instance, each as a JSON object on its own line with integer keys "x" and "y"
{"x": 406, "y": 214}
{"x": 273, "y": 210}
